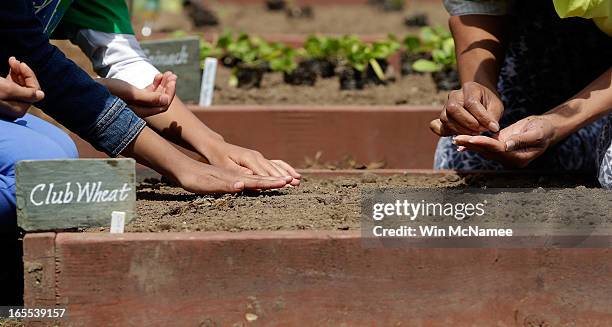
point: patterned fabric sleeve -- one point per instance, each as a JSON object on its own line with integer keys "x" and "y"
{"x": 477, "y": 7}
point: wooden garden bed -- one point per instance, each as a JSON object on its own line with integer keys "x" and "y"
{"x": 312, "y": 277}
{"x": 309, "y": 279}
{"x": 396, "y": 136}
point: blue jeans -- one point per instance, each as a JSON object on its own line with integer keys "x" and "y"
{"x": 27, "y": 138}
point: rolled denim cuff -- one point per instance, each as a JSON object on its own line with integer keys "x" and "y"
{"x": 477, "y": 7}
{"x": 115, "y": 128}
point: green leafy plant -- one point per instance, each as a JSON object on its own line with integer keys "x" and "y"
{"x": 245, "y": 50}
{"x": 382, "y": 50}
{"x": 321, "y": 47}
{"x": 412, "y": 44}
{"x": 280, "y": 57}
{"x": 284, "y": 61}
{"x": 440, "y": 44}
{"x": 359, "y": 55}
{"x": 248, "y": 52}
{"x": 354, "y": 52}
{"x": 208, "y": 49}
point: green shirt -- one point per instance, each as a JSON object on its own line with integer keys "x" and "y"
{"x": 65, "y": 17}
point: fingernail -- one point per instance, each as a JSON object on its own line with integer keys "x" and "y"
{"x": 40, "y": 94}
{"x": 510, "y": 144}
{"x": 453, "y": 140}
{"x": 494, "y": 127}
{"x": 239, "y": 185}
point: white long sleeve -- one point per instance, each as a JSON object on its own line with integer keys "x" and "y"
{"x": 116, "y": 56}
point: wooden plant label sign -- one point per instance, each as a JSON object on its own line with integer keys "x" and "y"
{"x": 64, "y": 194}
{"x": 182, "y": 57}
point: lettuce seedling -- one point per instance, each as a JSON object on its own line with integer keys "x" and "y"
{"x": 382, "y": 50}
{"x": 442, "y": 47}
{"x": 207, "y": 50}
{"x": 321, "y": 47}
{"x": 354, "y": 52}
{"x": 281, "y": 58}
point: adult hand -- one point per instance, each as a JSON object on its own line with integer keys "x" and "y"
{"x": 470, "y": 110}
{"x": 245, "y": 161}
{"x": 514, "y": 146}
{"x": 19, "y": 90}
{"x": 152, "y": 100}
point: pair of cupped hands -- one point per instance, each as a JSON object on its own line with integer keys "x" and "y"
{"x": 475, "y": 109}
{"x": 20, "y": 90}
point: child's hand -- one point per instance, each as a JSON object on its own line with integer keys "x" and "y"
{"x": 244, "y": 161}
{"x": 152, "y": 100}
{"x": 19, "y": 90}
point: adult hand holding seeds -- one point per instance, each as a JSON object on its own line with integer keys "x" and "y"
{"x": 516, "y": 145}
{"x": 471, "y": 110}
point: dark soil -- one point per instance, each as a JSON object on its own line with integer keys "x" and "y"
{"x": 249, "y": 77}
{"x": 371, "y": 74}
{"x": 319, "y": 204}
{"x": 412, "y": 89}
{"x": 447, "y": 80}
{"x": 351, "y": 79}
{"x": 296, "y": 12}
{"x": 275, "y": 5}
{"x": 330, "y": 19}
{"x": 416, "y": 20}
{"x": 322, "y": 67}
{"x": 200, "y": 14}
{"x": 304, "y": 74}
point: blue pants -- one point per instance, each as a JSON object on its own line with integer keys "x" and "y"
{"x": 27, "y": 138}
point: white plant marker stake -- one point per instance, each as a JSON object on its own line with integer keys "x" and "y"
{"x": 117, "y": 222}
{"x": 208, "y": 82}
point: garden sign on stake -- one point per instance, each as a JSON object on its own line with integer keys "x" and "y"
{"x": 65, "y": 194}
{"x": 182, "y": 57}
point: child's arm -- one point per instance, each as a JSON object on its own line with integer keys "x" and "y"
{"x": 149, "y": 101}
{"x": 123, "y": 59}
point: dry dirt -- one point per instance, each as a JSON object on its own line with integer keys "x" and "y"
{"x": 319, "y": 204}
{"x": 408, "y": 90}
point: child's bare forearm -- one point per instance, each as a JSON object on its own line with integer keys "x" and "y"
{"x": 179, "y": 125}
{"x": 153, "y": 151}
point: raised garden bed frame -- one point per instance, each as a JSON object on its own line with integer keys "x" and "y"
{"x": 309, "y": 278}
{"x": 397, "y": 135}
